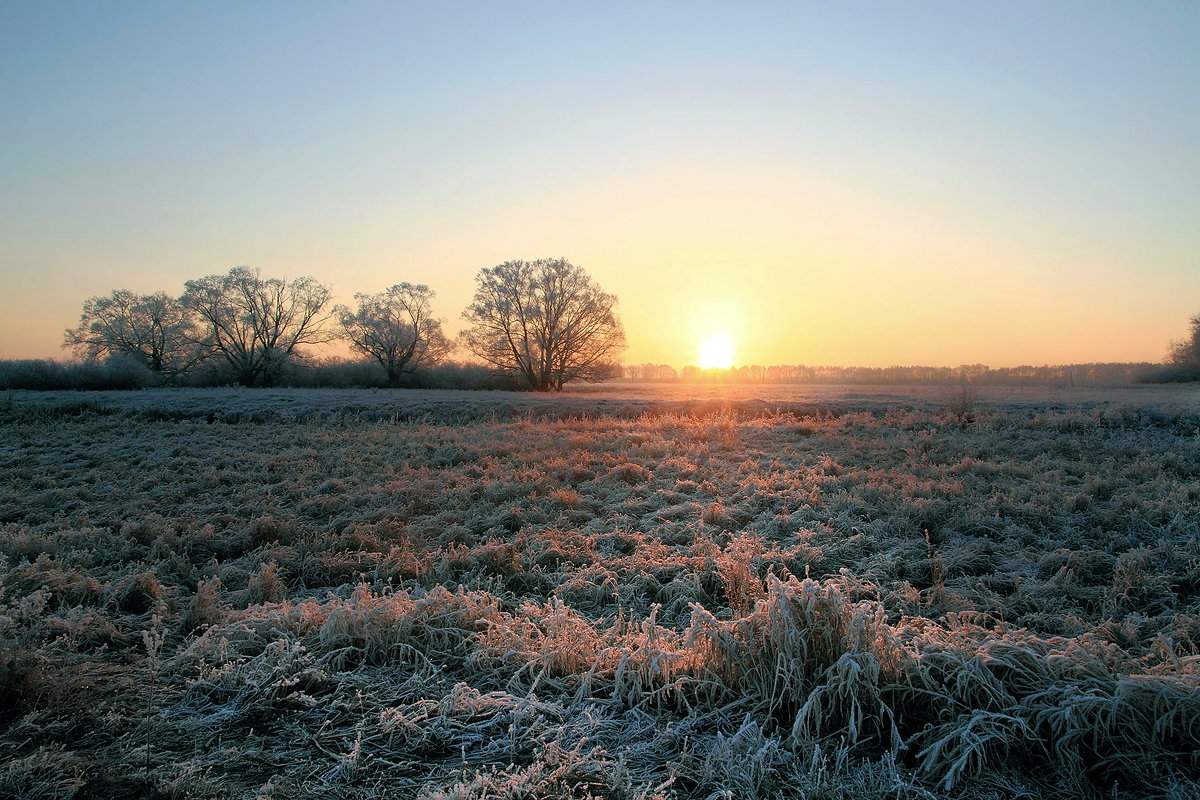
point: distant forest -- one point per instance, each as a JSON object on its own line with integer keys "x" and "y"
{"x": 126, "y": 373}
{"x": 1060, "y": 375}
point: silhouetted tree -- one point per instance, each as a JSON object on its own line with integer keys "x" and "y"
{"x": 1185, "y": 353}
{"x": 545, "y": 321}
{"x": 396, "y": 328}
{"x": 155, "y": 330}
{"x": 256, "y": 324}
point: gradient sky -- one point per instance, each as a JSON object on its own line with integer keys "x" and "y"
{"x": 835, "y": 183}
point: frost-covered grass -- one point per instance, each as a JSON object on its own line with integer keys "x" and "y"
{"x": 613, "y": 594}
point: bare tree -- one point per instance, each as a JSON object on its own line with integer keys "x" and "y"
{"x": 156, "y": 330}
{"x": 257, "y": 324}
{"x": 1185, "y": 353}
{"x": 396, "y": 328}
{"x": 545, "y": 321}
{"x": 959, "y": 401}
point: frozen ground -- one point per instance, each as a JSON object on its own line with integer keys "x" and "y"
{"x": 611, "y": 399}
{"x": 622, "y": 592}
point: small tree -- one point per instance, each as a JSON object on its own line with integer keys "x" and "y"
{"x": 959, "y": 399}
{"x": 545, "y": 321}
{"x": 257, "y": 324}
{"x": 397, "y": 329}
{"x": 155, "y": 330}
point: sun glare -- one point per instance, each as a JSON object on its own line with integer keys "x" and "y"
{"x": 716, "y": 352}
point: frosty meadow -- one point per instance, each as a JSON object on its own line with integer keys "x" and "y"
{"x": 662, "y": 593}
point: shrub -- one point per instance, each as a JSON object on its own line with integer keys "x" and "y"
{"x": 117, "y": 372}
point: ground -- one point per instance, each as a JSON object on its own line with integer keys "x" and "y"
{"x": 623, "y": 592}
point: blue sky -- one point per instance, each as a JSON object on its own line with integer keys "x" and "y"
{"x": 848, "y": 183}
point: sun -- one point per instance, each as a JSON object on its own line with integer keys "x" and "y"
{"x": 716, "y": 352}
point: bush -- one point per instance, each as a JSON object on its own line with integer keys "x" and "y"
{"x": 349, "y": 374}
{"x": 48, "y": 375}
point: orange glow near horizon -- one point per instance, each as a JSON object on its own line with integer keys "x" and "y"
{"x": 790, "y": 264}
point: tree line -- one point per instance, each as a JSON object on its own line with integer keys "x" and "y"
{"x": 1057, "y": 375}
{"x": 541, "y": 324}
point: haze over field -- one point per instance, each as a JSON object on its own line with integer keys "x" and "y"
{"x": 867, "y": 184}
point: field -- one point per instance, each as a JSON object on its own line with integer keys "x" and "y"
{"x": 624, "y": 592}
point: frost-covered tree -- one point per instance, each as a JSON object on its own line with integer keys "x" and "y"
{"x": 257, "y": 324}
{"x": 545, "y": 321}
{"x": 396, "y": 328}
{"x": 1185, "y": 353}
{"x": 155, "y": 330}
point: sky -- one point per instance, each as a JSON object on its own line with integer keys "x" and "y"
{"x": 823, "y": 183}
